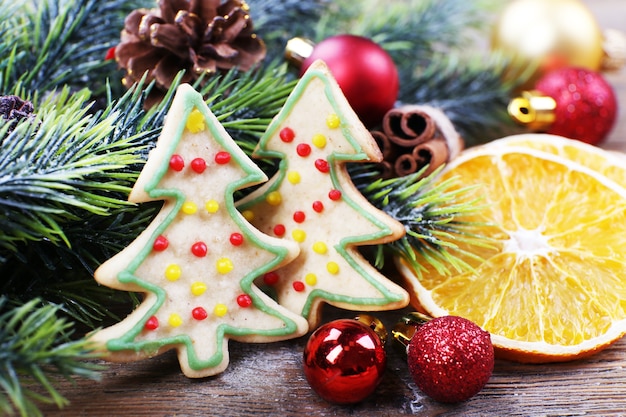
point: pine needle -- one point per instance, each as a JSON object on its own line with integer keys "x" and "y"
{"x": 60, "y": 42}
{"x": 432, "y": 214}
{"x": 36, "y": 348}
{"x": 471, "y": 92}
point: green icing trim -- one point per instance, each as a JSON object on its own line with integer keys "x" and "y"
{"x": 192, "y": 100}
{"x": 299, "y": 90}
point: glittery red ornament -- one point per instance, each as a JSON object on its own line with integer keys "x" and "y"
{"x": 365, "y": 72}
{"x": 573, "y": 102}
{"x": 450, "y": 358}
{"x": 344, "y": 361}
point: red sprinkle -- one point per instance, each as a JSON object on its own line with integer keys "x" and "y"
{"x": 198, "y": 165}
{"x": 110, "y": 53}
{"x": 152, "y": 323}
{"x": 236, "y": 239}
{"x": 299, "y": 216}
{"x": 287, "y": 134}
{"x": 322, "y": 165}
{"x": 244, "y": 300}
{"x": 298, "y": 286}
{"x": 222, "y": 157}
{"x": 160, "y": 243}
{"x": 318, "y": 206}
{"x": 270, "y": 278}
{"x": 199, "y": 313}
{"x": 279, "y": 230}
{"x": 177, "y": 163}
{"x": 334, "y": 195}
{"x": 303, "y": 149}
{"x": 199, "y": 249}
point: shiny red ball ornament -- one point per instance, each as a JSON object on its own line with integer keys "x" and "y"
{"x": 344, "y": 361}
{"x": 365, "y": 72}
{"x": 450, "y": 358}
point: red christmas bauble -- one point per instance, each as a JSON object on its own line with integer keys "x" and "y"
{"x": 344, "y": 361}
{"x": 586, "y": 107}
{"x": 450, "y": 358}
{"x": 366, "y": 74}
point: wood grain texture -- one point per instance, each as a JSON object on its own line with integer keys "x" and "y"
{"x": 267, "y": 380}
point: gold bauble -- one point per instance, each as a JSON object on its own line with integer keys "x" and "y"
{"x": 547, "y": 34}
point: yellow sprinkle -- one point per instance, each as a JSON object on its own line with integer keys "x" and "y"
{"x": 319, "y": 140}
{"x": 310, "y": 279}
{"x": 172, "y": 272}
{"x": 248, "y": 215}
{"x": 175, "y": 320}
{"x": 293, "y": 177}
{"x": 224, "y": 265}
{"x": 332, "y": 267}
{"x": 220, "y": 310}
{"x": 333, "y": 121}
{"x": 298, "y": 235}
{"x": 320, "y": 247}
{"x": 212, "y": 206}
{"x": 198, "y": 288}
{"x": 189, "y": 207}
{"x": 274, "y": 198}
{"x": 195, "y": 122}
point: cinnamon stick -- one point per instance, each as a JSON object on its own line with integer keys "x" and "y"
{"x": 408, "y": 126}
{"x": 385, "y": 145}
{"x": 433, "y": 153}
{"x": 405, "y": 165}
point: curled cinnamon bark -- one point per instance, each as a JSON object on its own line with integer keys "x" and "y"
{"x": 408, "y": 126}
{"x": 385, "y": 145}
{"x": 433, "y": 153}
{"x": 405, "y": 164}
{"x": 414, "y": 137}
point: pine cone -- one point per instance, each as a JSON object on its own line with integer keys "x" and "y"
{"x": 14, "y": 109}
{"x": 199, "y": 36}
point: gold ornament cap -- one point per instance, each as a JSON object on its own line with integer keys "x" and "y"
{"x": 533, "y": 109}
{"x": 297, "y": 50}
{"x": 375, "y": 324}
{"x": 406, "y": 327}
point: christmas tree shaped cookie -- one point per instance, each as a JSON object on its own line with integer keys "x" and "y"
{"x": 196, "y": 262}
{"x": 313, "y": 202}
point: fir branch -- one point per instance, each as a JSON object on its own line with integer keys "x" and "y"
{"x": 36, "y": 348}
{"x": 60, "y": 42}
{"x": 470, "y": 92}
{"x": 277, "y": 22}
{"x": 59, "y": 166}
{"x": 433, "y": 214}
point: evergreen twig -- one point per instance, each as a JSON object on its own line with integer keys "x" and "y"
{"x": 36, "y": 347}
{"x": 48, "y": 46}
{"x": 433, "y": 214}
{"x": 471, "y": 92}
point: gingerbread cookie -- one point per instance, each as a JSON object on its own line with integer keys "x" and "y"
{"x": 313, "y": 202}
{"x": 196, "y": 262}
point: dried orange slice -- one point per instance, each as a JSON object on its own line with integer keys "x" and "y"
{"x": 551, "y": 286}
{"x": 609, "y": 164}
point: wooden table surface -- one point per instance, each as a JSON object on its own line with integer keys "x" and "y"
{"x": 267, "y": 379}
